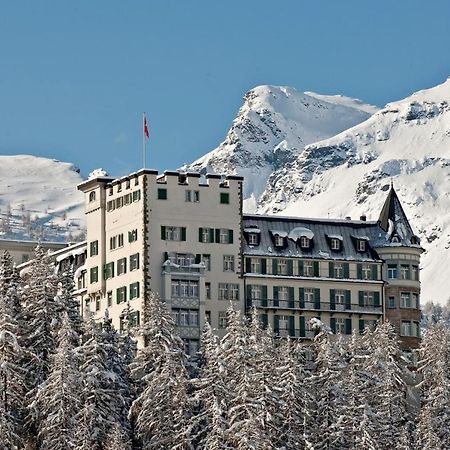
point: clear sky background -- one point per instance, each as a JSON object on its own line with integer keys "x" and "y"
{"x": 75, "y": 76}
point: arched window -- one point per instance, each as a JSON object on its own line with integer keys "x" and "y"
{"x": 92, "y": 196}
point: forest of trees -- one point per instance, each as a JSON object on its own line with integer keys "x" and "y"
{"x": 68, "y": 383}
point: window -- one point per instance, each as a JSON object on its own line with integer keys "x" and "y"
{"x": 208, "y": 290}
{"x": 134, "y": 290}
{"x": 206, "y": 259}
{"x": 173, "y": 233}
{"x": 391, "y": 302}
{"x": 136, "y": 181}
{"x": 132, "y": 235}
{"x": 127, "y": 184}
{"x": 368, "y": 298}
{"x": 111, "y": 191}
{"x": 120, "y": 240}
{"x": 184, "y": 288}
{"x": 282, "y": 267}
{"x": 335, "y": 244}
{"x": 92, "y": 196}
{"x": 404, "y": 272}
{"x": 109, "y": 270}
{"x": 309, "y": 295}
{"x": 308, "y": 269}
{"x": 121, "y": 295}
{"x": 109, "y": 298}
{"x": 112, "y": 243}
{"x": 208, "y": 316}
{"x": 121, "y": 266}
{"x": 304, "y": 242}
{"x": 366, "y": 272}
{"x": 361, "y": 245}
{"x": 192, "y": 196}
{"x": 136, "y": 195}
{"x": 278, "y": 241}
{"x": 228, "y": 291}
{"x": 162, "y": 194}
{"x": 405, "y": 300}
{"x": 97, "y": 303}
{"x": 94, "y": 248}
{"x": 134, "y": 261}
{"x": 224, "y": 236}
{"x": 338, "y": 270}
{"x": 283, "y": 293}
{"x": 224, "y": 198}
{"x": 252, "y": 239}
{"x": 111, "y": 205}
{"x": 255, "y": 265}
{"x": 340, "y": 326}
{"x": 206, "y": 235}
{"x": 283, "y": 322}
{"x": 119, "y": 202}
{"x": 119, "y": 187}
{"x": 410, "y": 328}
{"x": 184, "y": 259}
{"x": 392, "y": 271}
{"x": 196, "y": 196}
{"x": 228, "y": 263}
{"x": 94, "y": 274}
{"x": 256, "y": 292}
{"x": 188, "y": 196}
{"x": 339, "y": 297}
{"x": 415, "y": 300}
{"x": 415, "y": 273}
{"x": 222, "y": 319}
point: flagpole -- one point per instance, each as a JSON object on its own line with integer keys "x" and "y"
{"x": 143, "y": 140}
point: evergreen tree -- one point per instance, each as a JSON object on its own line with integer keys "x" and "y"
{"x": 118, "y": 439}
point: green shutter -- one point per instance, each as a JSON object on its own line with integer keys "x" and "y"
{"x": 346, "y": 270}
{"x": 275, "y": 296}
{"x": 361, "y": 298}
{"x": 376, "y": 299}
{"x": 211, "y": 235}
{"x": 166, "y": 256}
{"x": 200, "y": 234}
{"x": 248, "y": 293}
{"x": 198, "y": 258}
{"x": 264, "y": 320}
{"x": 118, "y": 295}
{"x": 163, "y": 232}
{"x": 263, "y": 266}
{"x": 264, "y": 296}
{"x": 300, "y": 269}
{"x": 292, "y": 326}
{"x": 217, "y": 235}
{"x": 302, "y": 326}
{"x": 230, "y": 236}
{"x": 248, "y": 265}
{"x": 302, "y": 297}
{"x": 138, "y": 289}
{"x": 317, "y": 298}
{"x": 105, "y": 272}
{"x": 291, "y": 297}
{"x": 359, "y": 274}
{"x": 274, "y": 266}
{"x": 276, "y": 324}
{"x": 332, "y": 299}
{"x": 361, "y": 326}
{"x": 374, "y": 272}
{"x": 290, "y": 267}
{"x": 131, "y": 291}
{"x": 348, "y": 300}
{"x": 331, "y": 269}
{"x": 333, "y": 324}
{"x": 183, "y": 233}
{"x": 316, "y": 268}
{"x": 348, "y": 326}
{"x": 129, "y": 236}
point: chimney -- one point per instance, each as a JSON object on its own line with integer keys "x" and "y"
{"x": 348, "y": 218}
{"x": 363, "y": 218}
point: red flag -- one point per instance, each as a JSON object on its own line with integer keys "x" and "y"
{"x": 146, "y": 128}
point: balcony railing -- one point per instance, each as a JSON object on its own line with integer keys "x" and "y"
{"x": 316, "y": 305}
{"x": 295, "y": 333}
{"x": 193, "y": 269}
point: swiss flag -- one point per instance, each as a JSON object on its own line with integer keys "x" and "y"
{"x": 147, "y": 134}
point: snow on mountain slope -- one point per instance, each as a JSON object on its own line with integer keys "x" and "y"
{"x": 39, "y": 199}
{"x": 407, "y": 142}
{"x": 272, "y": 128}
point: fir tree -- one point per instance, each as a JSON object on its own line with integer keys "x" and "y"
{"x": 118, "y": 439}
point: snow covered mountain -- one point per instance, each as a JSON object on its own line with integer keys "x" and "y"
{"x": 271, "y": 130}
{"x": 39, "y": 199}
{"x": 407, "y": 142}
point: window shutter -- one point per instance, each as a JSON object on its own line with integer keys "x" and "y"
{"x": 248, "y": 293}
{"x": 361, "y": 326}
{"x": 125, "y": 295}
{"x": 317, "y": 298}
{"x": 131, "y": 291}
{"x": 166, "y": 256}
{"x": 316, "y": 268}
{"x": 302, "y": 326}
{"x": 331, "y": 269}
{"x": 333, "y": 324}
{"x": 302, "y": 297}
{"x": 118, "y": 295}
{"x": 348, "y": 326}
{"x": 138, "y": 289}
{"x": 111, "y": 269}
{"x": 346, "y": 270}
{"x": 290, "y": 267}
{"x": 300, "y": 269}
{"x": 359, "y": 271}
{"x": 332, "y": 299}
{"x": 211, "y": 235}
{"x": 291, "y": 297}
{"x": 276, "y": 324}
{"x": 292, "y": 326}
{"x": 217, "y": 235}
{"x": 348, "y": 300}
{"x": 198, "y": 258}
{"x": 263, "y": 266}
{"x": 275, "y": 296}
{"x": 163, "y": 232}
{"x": 248, "y": 265}
{"x": 264, "y": 296}
{"x": 105, "y": 272}
{"x": 376, "y": 299}
{"x": 200, "y": 234}
{"x": 374, "y": 272}
{"x": 230, "y": 236}
{"x": 183, "y": 233}
{"x": 274, "y": 266}
{"x": 361, "y": 298}
{"x": 264, "y": 320}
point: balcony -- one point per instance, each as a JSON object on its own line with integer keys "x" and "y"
{"x": 317, "y": 305}
{"x": 194, "y": 269}
{"x": 294, "y": 334}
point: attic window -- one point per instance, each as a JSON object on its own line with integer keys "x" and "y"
{"x": 305, "y": 242}
{"x": 92, "y": 196}
{"x": 335, "y": 244}
{"x": 252, "y": 239}
{"x": 361, "y": 245}
{"x": 395, "y": 239}
{"x": 278, "y": 240}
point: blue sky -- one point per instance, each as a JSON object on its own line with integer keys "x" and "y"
{"x": 75, "y": 76}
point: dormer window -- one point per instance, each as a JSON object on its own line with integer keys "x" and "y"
{"x": 92, "y": 196}
{"x": 252, "y": 239}
{"x": 305, "y": 242}
{"x": 335, "y": 244}
{"x": 361, "y": 245}
{"x": 278, "y": 241}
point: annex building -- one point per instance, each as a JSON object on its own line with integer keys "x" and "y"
{"x": 184, "y": 235}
